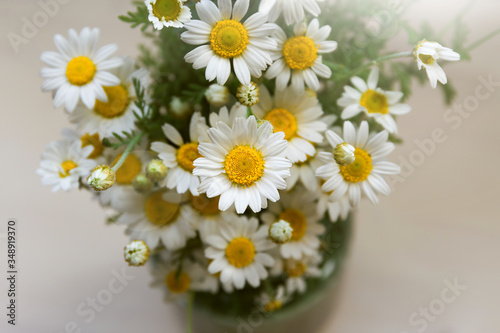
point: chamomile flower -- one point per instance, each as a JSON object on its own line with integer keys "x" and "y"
{"x": 80, "y": 70}
{"x": 117, "y": 114}
{"x": 300, "y": 270}
{"x": 168, "y": 13}
{"x": 297, "y": 115}
{"x": 365, "y": 174}
{"x": 293, "y": 10}
{"x": 225, "y": 39}
{"x": 243, "y": 164}
{"x": 374, "y": 102}
{"x": 157, "y": 216}
{"x": 299, "y": 57}
{"x": 304, "y": 173}
{"x": 64, "y": 163}
{"x": 228, "y": 117}
{"x": 298, "y": 209}
{"x": 179, "y": 158}
{"x": 427, "y": 54}
{"x": 238, "y": 253}
{"x": 98, "y": 153}
{"x": 336, "y": 209}
{"x": 271, "y": 303}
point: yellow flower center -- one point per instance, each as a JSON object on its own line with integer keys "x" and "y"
{"x": 360, "y": 169}
{"x": 240, "y": 252}
{"x": 178, "y": 283}
{"x": 129, "y": 169}
{"x": 426, "y": 59}
{"x": 229, "y": 38}
{"x": 205, "y": 205}
{"x": 67, "y": 166}
{"x": 273, "y": 306}
{"x": 374, "y": 102}
{"x": 297, "y": 221}
{"x": 80, "y": 71}
{"x": 244, "y": 165}
{"x": 118, "y": 101}
{"x": 295, "y": 269}
{"x": 187, "y": 154}
{"x": 283, "y": 121}
{"x": 166, "y": 9}
{"x": 160, "y": 212}
{"x": 95, "y": 141}
{"x": 300, "y": 52}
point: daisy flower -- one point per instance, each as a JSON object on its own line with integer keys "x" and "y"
{"x": 297, "y": 208}
{"x": 299, "y": 58}
{"x": 238, "y": 254}
{"x": 300, "y": 270}
{"x": 427, "y": 53}
{"x": 168, "y": 13}
{"x": 64, "y": 163}
{"x": 243, "y": 164}
{"x": 365, "y": 174}
{"x": 297, "y": 116}
{"x": 373, "y": 101}
{"x": 117, "y": 114}
{"x": 336, "y": 209}
{"x": 305, "y": 173}
{"x": 94, "y": 140}
{"x": 155, "y": 216}
{"x": 293, "y": 10}
{"x": 80, "y": 70}
{"x": 225, "y": 39}
{"x": 271, "y": 303}
{"x": 179, "y": 158}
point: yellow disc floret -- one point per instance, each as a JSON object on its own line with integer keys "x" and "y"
{"x": 297, "y": 221}
{"x": 80, "y": 71}
{"x": 167, "y": 9}
{"x": 118, "y": 101}
{"x": 244, "y": 165}
{"x": 229, "y": 38}
{"x": 67, "y": 166}
{"x": 273, "y": 305}
{"x": 129, "y": 169}
{"x": 360, "y": 169}
{"x": 187, "y": 154}
{"x": 205, "y": 205}
{"x": 160, "y": 212}
{"x": 300, "y": 52}
{"x": 426, "y": 59}
{"x": 295, "y": 269}
{"x": 178, "y": 283}
{"x": 94, "y": 141}
{"x": 374, "y": 102}
{"x": 283, "y": 121}
{"x": 240, "y": 252}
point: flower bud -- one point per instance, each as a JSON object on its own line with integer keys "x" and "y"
{"x": 178, "y": 108}
{"x": 142, "y": 184}
{"x": 217, "y": 95}
{"x": 101, "y": 178}
{"x": 280, "y": 232}
{"x": 344, "y": 154}
{"x": 136, "y": 253}
{"x": 156, "y": 170}
{"x": 248, "y": 95}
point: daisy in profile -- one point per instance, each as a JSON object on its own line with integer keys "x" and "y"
{"x": 243, "y": 164}
{"x": 237, "y": 251}
{"x": 168, "y": 13}
{"x": 365, "y": 174}
{"x": 157, "y": 216}
{"x": 273, "y": 302}
{"x": 224, "y": 39}
{"x": 293, "y": 10}
{"x": 297, "y": 115}
{"x": 64, "y": 163}
{"x": 427, "y": 54}
{"x": 299, "y": 57}
{"x": 299, "y": 210}
{"x": 117, "y": 114}
{"x": 80, "y": 70}
{"x": 179, "y": 158}
{"x": 298, "y": 271}
{"x": 373, "y": 101}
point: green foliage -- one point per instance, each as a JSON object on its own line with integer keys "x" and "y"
{"x": 139, "y": 18}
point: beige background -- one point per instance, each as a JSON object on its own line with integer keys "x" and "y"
{"x": 442, "y": 223}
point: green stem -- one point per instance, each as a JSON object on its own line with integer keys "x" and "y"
{"x": 249, "y": 112}
{"x": 382, "y": 59}
{"x": 127, "y": 151}
{"x": 483, "y": 40}
{"x": 189, "y": 324}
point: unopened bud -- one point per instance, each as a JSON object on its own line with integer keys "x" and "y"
{"x": 101, "y": 178}
{"x": 248, "y": 95}
{"x": 217, "y": 95}
{"x": 136, "y": 253}
{"x": 344, "y": 154}
{"x": 156, "y": 170}
{"x": 142, "y": 184}
{"x": 280, "y": 232}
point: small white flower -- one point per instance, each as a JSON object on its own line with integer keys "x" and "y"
{"x": 102, "y": 177}
{"x": 156, "y": 170}
{"x": 168, "y": 13}
{"x": 136, "y": 253}
{"x": 365, "y": 175}
{"x": 243, "y": 165}
{"x": 228, "y": 117}
{"x": 293, "y": 10}
{"x": 248, "y": 94}
{"x": 299, "y": 58}
{"x": 238, "y": 253}
{"x": 336, "y": 209}
{"x": 280, "y": 232}
{"x": 64, "y": 163}
{"x": 304, "y": 172}
{"x": 271, "y": 303}
{"x": 178, "y": 107}
{"x": 79, "y": 71}
{"x": 344, "y": 154}
{"x": 217, "y": 95}
{"x": 427, "y": 54}
{"x": 373, "y": 101}
{"x": 225, "y": 40}
{"x": 297, "y": 272}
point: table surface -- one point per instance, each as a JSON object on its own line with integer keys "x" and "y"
{"x": 439, "y": 227}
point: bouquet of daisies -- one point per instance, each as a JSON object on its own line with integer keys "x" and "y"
{"x": 235, "y": 148}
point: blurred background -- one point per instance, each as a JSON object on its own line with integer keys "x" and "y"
{"x": 440, "y": 227}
